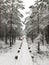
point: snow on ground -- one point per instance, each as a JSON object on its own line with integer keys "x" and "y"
{"x": 9, "y": 57}
{"x": 43, "y": 57}
{"x": 25, "y": 57}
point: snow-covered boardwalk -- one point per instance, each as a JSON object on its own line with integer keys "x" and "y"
{"x": 24, "y": 57}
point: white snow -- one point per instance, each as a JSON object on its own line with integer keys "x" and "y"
{"x": 43, "y": 57}
{"x": 9, "y": 57}
{"x": 24, "y": 57}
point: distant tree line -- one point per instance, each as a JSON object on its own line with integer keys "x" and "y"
{"x": 38, "y": 21}
{"x": 10, "y": 22}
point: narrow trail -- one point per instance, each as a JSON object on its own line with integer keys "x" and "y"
{"x": 25, "y": 57}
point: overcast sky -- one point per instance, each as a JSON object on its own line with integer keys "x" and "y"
{"x": 27, "y": 3}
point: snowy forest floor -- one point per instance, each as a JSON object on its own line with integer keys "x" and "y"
{"x": 25, "y": 57}
{"x": 7, "y": 56}
{"x": 43, "y": 57}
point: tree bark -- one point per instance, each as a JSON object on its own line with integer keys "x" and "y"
{"x": 38, "y": 47}
{"x": 6, "y": 39}
{"x": 10, "y": 39}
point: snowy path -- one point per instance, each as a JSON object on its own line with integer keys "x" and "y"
{"x": 25, "y": 57}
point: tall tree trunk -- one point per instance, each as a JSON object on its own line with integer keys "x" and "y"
{"x": 38, "y": 47}
{"x": 10, "y": 42}
{"x": 10, "y": 39}
{"x": 0, "y": 22}
{"x": 6, "y": 34}
{"x": 43, "y": 39}
{"x": 6, "y": 39}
